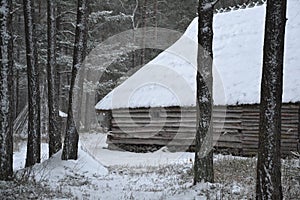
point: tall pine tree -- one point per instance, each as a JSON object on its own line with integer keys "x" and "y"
{"x": 54, "y": 124}
{"x": 203, "y": 167}
{"x": 70, "y": 148}
{"x": 34, "y": 125}
{"x": 6, "y": 66}
{"x": 268, "y": 165}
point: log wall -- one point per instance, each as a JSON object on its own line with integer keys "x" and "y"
{"x": 235, "y": 128}
{"x": 289, "y": 128}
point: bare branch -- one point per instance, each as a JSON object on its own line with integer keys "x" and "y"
{"x": 133, "y": 14}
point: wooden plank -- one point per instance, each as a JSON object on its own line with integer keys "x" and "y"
{"x": 224, "y": 138}
{"x": 249, "y": 128}
{"x": 170, "y": 122}
{"x": 143, "y": 121}
{"x": 151, "y": 141}
{"x": 176, "y": 114}
{"x": 156, "y": 125}
{"x": 255, "y": 141}
{"x": 220, "y": 144}
{"x": 290, "y": 135}
{"x": 153, "y": 131}
{"x": 159, "y": 141}
{"x": 254, "y": 151}
{"x": 168, "y": 129}
{"x": 255, "y": 133}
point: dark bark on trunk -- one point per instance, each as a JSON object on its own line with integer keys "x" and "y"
{"x": 203, "y": 166}
{"x": 298, "y": 145}
{"x": 268, "y": 165}
{"x": 144, "y": 24}
{"x": 34, "y": 126}
{"x": 70, "y": 149}
{"x": 87, "y": 121}
{"x": 155, "y": 7}
{"x": 17, "y": 91}
{"x": 55, "y": 143}
{"x": 6, "y": 88}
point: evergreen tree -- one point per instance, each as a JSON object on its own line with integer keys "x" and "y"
{"x": 54, "y": 128}
{"x": 203, "y": 167}
{"x": 34, "y": 125}
{"x": 268, "y": 165}
{"x": 70, "y": 149}
{"x": 6, "y": 102}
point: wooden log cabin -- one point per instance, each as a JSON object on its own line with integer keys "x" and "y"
{"x": 156, "y": 105}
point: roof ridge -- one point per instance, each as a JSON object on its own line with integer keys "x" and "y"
{"x": 231, "y": 5}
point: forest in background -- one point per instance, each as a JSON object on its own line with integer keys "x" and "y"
{"x": 37, "y": 56}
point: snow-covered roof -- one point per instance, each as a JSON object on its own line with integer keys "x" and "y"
{"x": 169, "y": 79}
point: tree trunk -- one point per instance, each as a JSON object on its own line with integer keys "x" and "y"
{"x": 268, "y": 165}
{"x": 16, "y": 99}
{"x": 155, "y": 20}
{"x": 298, "y": 144}
{"x": 34, "y": 126}
{"x": 6, "y": 83}
{"x": 203, "y": 167}
{"x": 70, "y": 149}
{"x": 54, "y": 128}
{"x": 144, "y": 24}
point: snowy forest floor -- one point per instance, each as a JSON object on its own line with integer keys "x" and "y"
{"x": 103, "y": 174}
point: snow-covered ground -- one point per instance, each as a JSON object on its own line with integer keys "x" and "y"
{"x": 100, "y": 173}
{"x": 96, "y": 145}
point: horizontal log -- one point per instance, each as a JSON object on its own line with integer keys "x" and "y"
{"x": 154, "y": 122}
{"x": 153, "y": 129}
{"x": 166, "y": 132}
{"x": 228, "y": 138}
{"x": 154, "y": 125}
{"x": 228, "y": 120}
{"x": 253, "y": 152}
{"x": 284, "y": 143}
{"x": 284, "y": 124}
{"x": 151, "y": 132}
{"x": 250, "y": 128}
{"x": 169, "y": 129}
{"x": 221, "y": 144}
{"x": 175, "y": 114}
{"x": 256, "y": 132}
{"x": 284, "y": 136}
{"x": 249, "y": 143}
{"x": 165, "y": 142}
{"x": 220, "y": 125}
{"x": 170, "y": 109}
{"x": 256, "y": 110}
{"x": 149, "y": 141}
{"x": 257, "y": 114}
{"x": 227, "y": 115}
{"x": 255, "y": 148}
{"x": 283, "y": 129}
{"x": 220, "y": 137}
{"x": 146, "y": 121}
